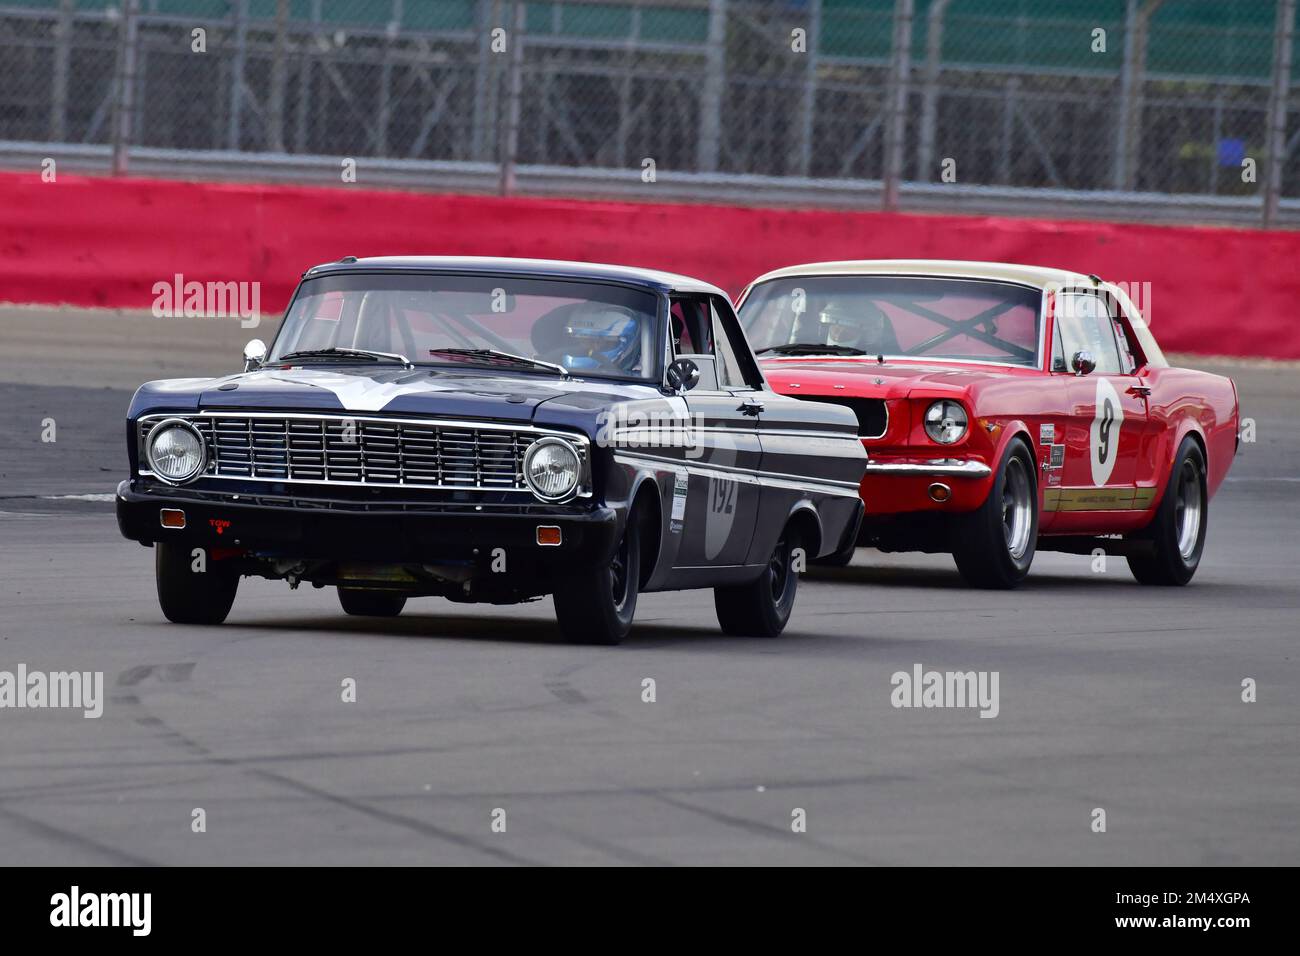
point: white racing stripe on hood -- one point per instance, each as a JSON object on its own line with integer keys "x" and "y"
{"x": 359, "y": 393}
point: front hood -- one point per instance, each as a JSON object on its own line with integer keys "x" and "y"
{"x": 425, "y": 392}
{"x": 867, "y": 378}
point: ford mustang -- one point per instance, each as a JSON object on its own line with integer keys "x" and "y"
{"x": 1005, "y": 409}
{"x": 492, "y": 430}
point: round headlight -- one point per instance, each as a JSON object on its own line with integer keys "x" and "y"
{"x": 945, "y": 422}
{"x": 175, "y": 451}
{"x": 552, "y": 468}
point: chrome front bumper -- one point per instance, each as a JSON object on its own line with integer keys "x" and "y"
{"x": 940, "y": 467}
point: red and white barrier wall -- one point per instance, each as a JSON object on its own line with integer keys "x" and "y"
{"x": 90, "y": 241}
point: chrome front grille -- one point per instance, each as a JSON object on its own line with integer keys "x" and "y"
{"x": 331, "y": 449}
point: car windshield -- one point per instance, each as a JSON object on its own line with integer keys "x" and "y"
{"x": 548, "y": 326}
{"x": 895, "y": 316}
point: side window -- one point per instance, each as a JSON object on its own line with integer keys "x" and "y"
{"x": 1084, "y": 324}
{"x": 1127, "y": 357}
{"x": 691, "y": 326}
{"x": 734, "y": 366}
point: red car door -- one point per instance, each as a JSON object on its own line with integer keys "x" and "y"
{"x": 1107, "y": 426}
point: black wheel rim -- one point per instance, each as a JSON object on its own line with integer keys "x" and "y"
{"x": 778, "y": 570}
{"x": 618, "y": 574}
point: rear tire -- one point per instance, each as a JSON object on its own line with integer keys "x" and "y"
{"x": 597, "y": 606}
{"x": 371, "y": 603}
{"x": 187, "y": 596}
{"x": 762, "y": 608}
{"x": 995, "y": 543}
{"x": 1177, "y": 533}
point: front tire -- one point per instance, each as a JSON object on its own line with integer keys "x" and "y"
{"x": 1177, "y": 533}
{"x": 187, "y": 596}
{"x": 762, "y": 608}
{"x": 597, "y": 606}
{"x": 995, "y": 543}
{"x": 371, "y": 603}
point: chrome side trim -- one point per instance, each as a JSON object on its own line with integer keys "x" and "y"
{"x": 954, "y": 467}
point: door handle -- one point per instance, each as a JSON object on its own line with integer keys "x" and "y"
{"x": 1143, "y": 390}
{"x": 750, "y": 407}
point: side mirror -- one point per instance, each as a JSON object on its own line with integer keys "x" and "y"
{"x": 1083, "y": 363}
{"x": 254, "y": 354}
{"x": 683, "y": 375}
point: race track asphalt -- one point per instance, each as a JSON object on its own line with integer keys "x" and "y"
{"x": 1112, "y": 695}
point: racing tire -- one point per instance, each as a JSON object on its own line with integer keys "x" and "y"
{"x": 995, "y": 544}
{"x": 1177, "y": 533}
{"x": 597, "y": 606}
{"x": 187, "y": 596}
{"x": 762, "y": 607}
{"x": 364, "y": 603}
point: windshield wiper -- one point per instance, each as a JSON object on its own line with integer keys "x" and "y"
{"x": 347, "y": 353}
{"x": 811, "y": 348}
{"x": 499, "y": 356}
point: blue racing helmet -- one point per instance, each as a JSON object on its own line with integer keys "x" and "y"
{"x": 603, "y": 336}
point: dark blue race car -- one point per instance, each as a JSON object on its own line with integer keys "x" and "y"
{"x": 493, "y": 430}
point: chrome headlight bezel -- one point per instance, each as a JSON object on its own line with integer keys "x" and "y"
{"x": 574, "y": 487}
{"x": 151, "y": 438}
{"x": 939, "y": 414}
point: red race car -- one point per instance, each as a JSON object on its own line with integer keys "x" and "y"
{"x": 1004, "y": 408}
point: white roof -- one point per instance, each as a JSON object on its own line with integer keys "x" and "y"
{"x": 1038, "y": 276}
{"x": 1004, "y": 271}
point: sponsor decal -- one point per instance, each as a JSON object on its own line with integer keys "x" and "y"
{"x": 1098, "y": 499}
{"x": 681, "y": 484}
{"x": 1046, "y": 434}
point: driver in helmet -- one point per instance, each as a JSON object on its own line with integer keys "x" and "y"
{"x": 863, "y": 325}
{"x": 602, "y": 338}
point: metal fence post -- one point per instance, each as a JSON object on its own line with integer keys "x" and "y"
{"x": 59, "y": 88}
{"x": 807, "y": 115}
{"x": 1283, "y": 41}
{"x": 233, "y": 130}
{"x": 384, "y": 113}
{"x": 710, "y": 145}
{"x": 930, "y": 97}
{"x": 514, "y": 90}
{"x": 488, "y": 16}
{"x": 124, "y": 104}
{"x": 900, "y": 64}
{"x": 275, "y": 124}
{"x": 1128, "y": 131}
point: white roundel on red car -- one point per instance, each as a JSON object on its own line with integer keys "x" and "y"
{"x": 1103, "y": 436}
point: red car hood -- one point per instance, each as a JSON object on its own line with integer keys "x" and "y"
{"x": 866, "y": 378}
